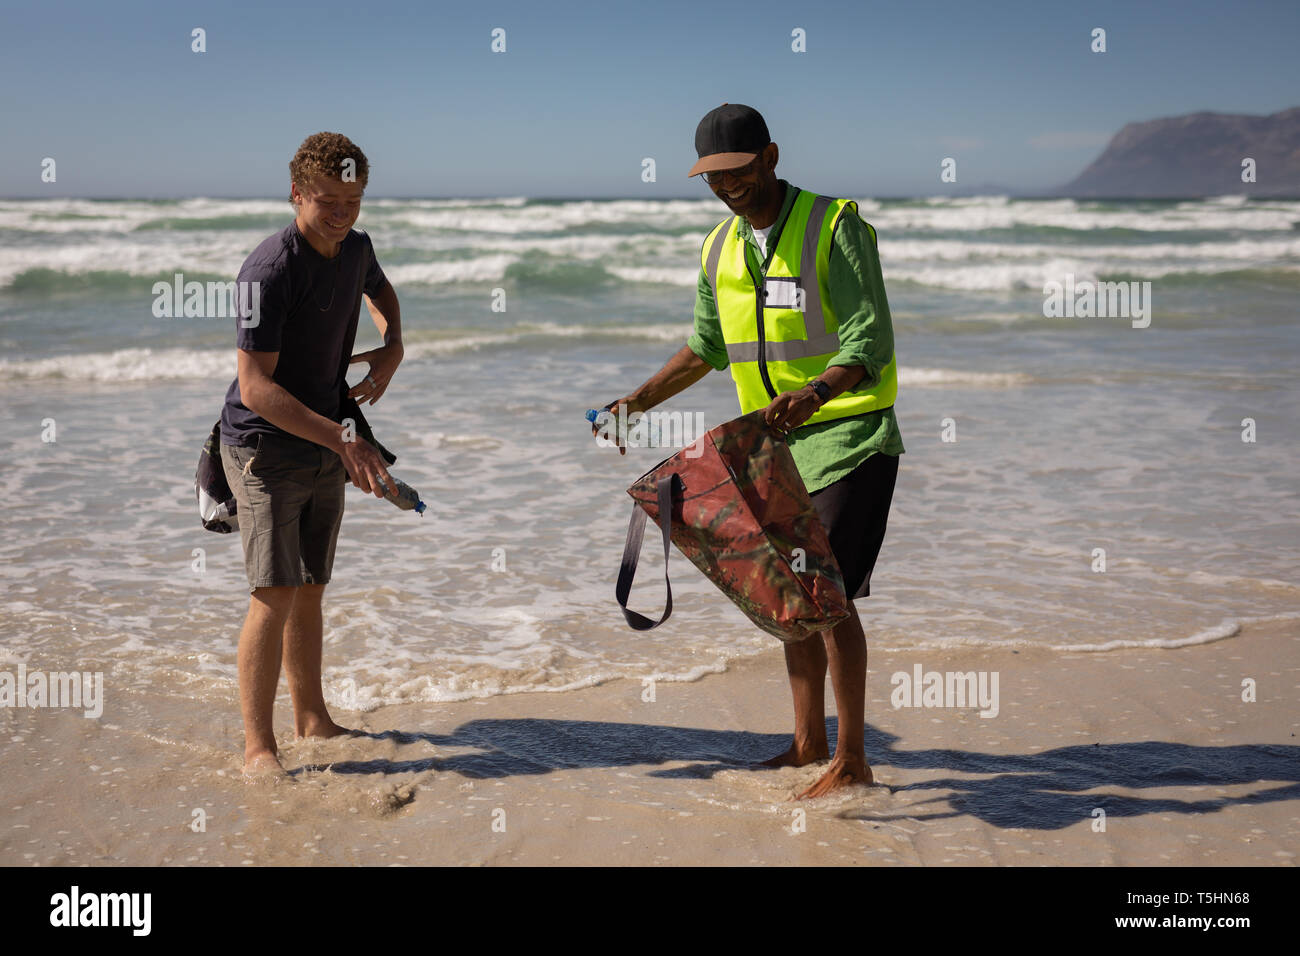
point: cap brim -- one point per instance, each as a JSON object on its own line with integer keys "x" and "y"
{"x": 720, "y": 161}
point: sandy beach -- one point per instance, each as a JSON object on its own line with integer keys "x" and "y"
{"x": 1077, "y": 247}
{"x": 1160, "y": 740}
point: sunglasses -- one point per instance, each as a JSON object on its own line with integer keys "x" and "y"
{"x": 718, "y": 176}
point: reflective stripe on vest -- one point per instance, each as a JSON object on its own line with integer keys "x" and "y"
{"x": 781, "y": 339}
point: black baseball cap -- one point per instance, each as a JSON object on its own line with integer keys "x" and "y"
{"x": 730, "y": 136}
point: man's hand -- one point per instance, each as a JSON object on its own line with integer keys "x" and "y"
{"x": 364, "y": 464}
{"x": 681, "y": 371}
{"x": 383, "y": 363}
{"x": 633, "y": 406}
{"x": 789, "y": 410}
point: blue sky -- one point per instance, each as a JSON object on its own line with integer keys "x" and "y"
{"x": 586, "y": 91}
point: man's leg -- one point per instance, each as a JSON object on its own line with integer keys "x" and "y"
{"x": 846, "y": 650}
{"x": 805, "y": 663}
{"x": 259, "y": 673}
{"x": 854, "y": 511}
{"x": 303, "y": 635}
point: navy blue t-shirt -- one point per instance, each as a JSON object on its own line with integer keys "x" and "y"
{"x": 308, "y": 310}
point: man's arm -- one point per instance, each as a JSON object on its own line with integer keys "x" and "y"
{"x": 866, "y": 333}
{"x": 679, "y": 373}
{"x": 263, "y": 396}
{"x": 703, "y": 352}
{"x": 387, "y": 316}
{"x": 858, "y": 296}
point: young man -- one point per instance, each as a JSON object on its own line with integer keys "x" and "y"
{"x": 285, "y": 453}
{"x": 790, "y": 295}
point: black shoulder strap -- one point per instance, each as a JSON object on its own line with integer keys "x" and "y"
{"x": 348, "y": 408}
{"x": 632, "y": 551}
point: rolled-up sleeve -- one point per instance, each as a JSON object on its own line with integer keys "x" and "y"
{"x": 707, "y": 341}
{"x": 857, "y": 292}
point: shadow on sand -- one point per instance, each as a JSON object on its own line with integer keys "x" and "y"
{"x": 1044, "y": 791}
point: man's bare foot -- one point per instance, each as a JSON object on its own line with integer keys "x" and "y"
{"x": 799, "y": 756}
{"x": 262, "y": 763}
{"x": 843, "y": 772}
{"x": 321, "y": 727}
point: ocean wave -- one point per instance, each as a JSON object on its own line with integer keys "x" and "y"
{"x": 934, "y": 377}
{"x": 965, "y": 244}
{"x": 126, "y": 365}
{"x": 509, "y": 215}
{"x": 126, "y": 215}
{"x": 1032, "y": 276}
{"x": 684, "y": 276}
{"x": 1224, "y": 630}
{"x": 481, "y": 269}
{"x": 262, "y": 222}
{"x": 1228, "y": 627}
{"x": 959, "y": 215}
{"x": 1213, "y": 256}
{"x": 152, "y": 257}
{"x": 168, "y": 364}
{"x": 484, "y": 680}
{"x": 953, "y": 269}
{"x": 450, "y": 343}
{"x": 399, "y": 204}
{"x": 556, "y": 217}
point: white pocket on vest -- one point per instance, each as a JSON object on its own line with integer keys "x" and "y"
{"x": 783, "y": 293}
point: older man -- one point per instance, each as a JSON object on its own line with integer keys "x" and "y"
{"x": 790, "y": 296}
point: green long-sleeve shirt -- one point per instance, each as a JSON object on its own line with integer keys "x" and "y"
{"x": 827, "y": 451}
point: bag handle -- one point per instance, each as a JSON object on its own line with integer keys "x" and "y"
{"x": 632, "y": 552}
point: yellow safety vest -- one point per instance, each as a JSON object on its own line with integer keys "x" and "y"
{"x": 779, "y": 328}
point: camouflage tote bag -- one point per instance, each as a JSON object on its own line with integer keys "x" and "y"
{"x": 733, "y": 502}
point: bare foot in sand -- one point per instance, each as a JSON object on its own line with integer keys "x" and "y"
{"x": 799, "y": 755}
{"x": 843, "y": 772}
{"x": 321, "y": 727}
{"x": 262, "y": 763}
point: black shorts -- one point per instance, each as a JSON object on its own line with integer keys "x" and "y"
{"x": 854, "y": 511}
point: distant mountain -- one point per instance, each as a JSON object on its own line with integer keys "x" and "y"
{"x": 1199, "y": 154}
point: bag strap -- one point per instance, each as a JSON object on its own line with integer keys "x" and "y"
{"x": 348, "y": 408}
{"x": 632, "y": 553}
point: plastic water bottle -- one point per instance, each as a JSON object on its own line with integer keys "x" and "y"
{"x": 402, "y": 495}
{"x": 602, "y": 417}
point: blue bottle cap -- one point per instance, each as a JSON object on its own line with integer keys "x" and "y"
{"x": 591, "y": 414}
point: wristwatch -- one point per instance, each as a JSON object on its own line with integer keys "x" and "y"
{"x": 821, "y": 390}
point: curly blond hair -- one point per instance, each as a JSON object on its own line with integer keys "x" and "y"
{"x": 323, "y": 155}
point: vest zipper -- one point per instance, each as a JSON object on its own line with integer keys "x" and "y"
{"x": 762, "y": 341}
{"x": 758, "y": 298}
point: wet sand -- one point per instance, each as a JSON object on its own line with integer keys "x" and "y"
{"x": 1160, "y": 740}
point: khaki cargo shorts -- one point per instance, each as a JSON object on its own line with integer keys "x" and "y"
{"x": 289, "y": 494}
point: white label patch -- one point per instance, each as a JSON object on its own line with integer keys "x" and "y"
{"x": 783, "y": 294}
